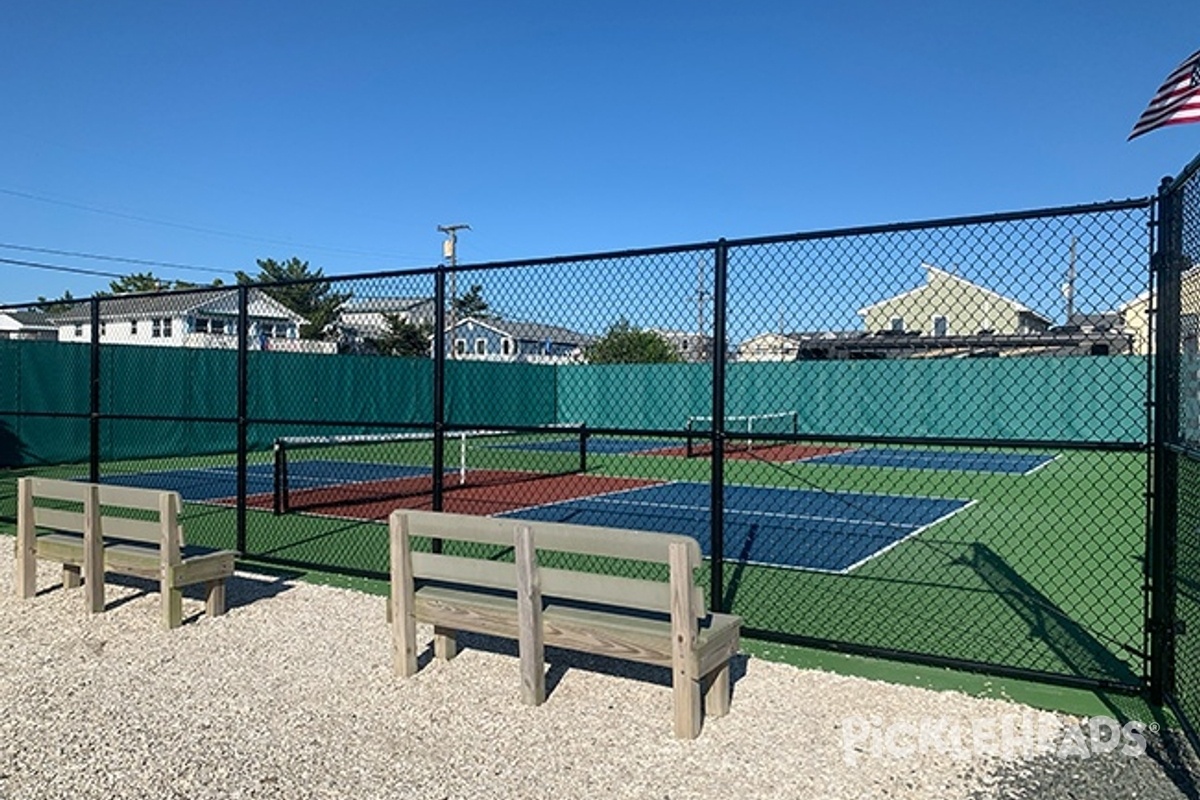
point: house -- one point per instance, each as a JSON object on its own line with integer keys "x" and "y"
{"x": 797, "y": 346}
{"x": 692, "y": 347}
{"x": 189, "y": 319}
{"x": 367, "y": 317}
{"x": 479, "y": 339}
{"x": 950, "y": 305}
{"x": 27, "y": 325}
{"x": 1136, "y": 314}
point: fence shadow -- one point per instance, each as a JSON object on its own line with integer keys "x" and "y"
{"x": 1078, "y": 649}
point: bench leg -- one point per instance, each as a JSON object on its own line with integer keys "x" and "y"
{"x": 686, "y": 697}
{"x": 214, "y": 597}
{"x": 172, "y": 605}
{"x": 717, "y": 695}
{"x": 72, "y": 576}
{"x": 445, "y": 643}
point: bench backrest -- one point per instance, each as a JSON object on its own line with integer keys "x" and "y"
{"x": 165, "y": 506}
{"x": 607, "y": 589}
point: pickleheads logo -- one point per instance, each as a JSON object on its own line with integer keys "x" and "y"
{"x": 1024, "y": 735}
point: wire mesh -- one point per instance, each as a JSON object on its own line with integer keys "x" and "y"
{"x": 927, "y": 441}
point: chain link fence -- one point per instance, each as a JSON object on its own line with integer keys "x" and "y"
{"x": 1179, "y": 310}
{"x": 927, "y": 442}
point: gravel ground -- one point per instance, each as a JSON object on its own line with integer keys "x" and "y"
{"x": 291, "y": 695}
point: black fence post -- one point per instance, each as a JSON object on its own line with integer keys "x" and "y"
{"x": 439, "y": 393}
{"x": 717, "y": 501}
{"x": 94, "y": 397}
{"x": 1166, "y": 315}
{"x": 243, "y": 390}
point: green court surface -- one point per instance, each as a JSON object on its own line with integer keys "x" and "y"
{"x": 1042, "y": 571}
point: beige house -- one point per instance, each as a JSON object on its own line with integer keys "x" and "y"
{"x": 1137, "y": 314}
{"x": 950, "y": 305}
{"x": 769, "y": 347}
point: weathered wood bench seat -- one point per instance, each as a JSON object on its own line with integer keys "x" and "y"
{"x": 643, "y": 620}
{"x": 91, "y": 530}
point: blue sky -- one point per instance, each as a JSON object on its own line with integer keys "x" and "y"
{"x": 212, "y": 134}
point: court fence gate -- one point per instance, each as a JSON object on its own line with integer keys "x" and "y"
{"x": 935, "y": 442}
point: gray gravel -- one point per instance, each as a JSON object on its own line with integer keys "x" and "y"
{"x": 291, "y": 695}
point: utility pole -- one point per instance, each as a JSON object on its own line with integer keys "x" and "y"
{"x": 450, "y": 254}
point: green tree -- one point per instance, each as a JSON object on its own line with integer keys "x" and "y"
{"x": 313, "y": 298}
{"x": 57, "y": 305}
{"x": 623, "y": 343}
{"x": 403, "y": 338}
{"x": 149, "y": 282}
{"x": 471, "y": 304}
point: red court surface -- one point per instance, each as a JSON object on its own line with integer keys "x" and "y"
{"x": 489, "y": 492}
{"x": 778, "y": 453}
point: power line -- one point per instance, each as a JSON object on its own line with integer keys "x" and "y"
{"x": 60, "y": 268}
{"x": 193, "y": 228}
{"x": 119, "y": 259}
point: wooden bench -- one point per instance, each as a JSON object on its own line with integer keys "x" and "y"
{"x": 89, "y": 537}
{"x": 660, "y": 622}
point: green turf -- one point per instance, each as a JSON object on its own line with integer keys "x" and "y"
{"x": 1042, "y": 572}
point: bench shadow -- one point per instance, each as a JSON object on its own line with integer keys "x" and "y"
{"x": 560, "y": 661}
{"x": 241, "y": 589}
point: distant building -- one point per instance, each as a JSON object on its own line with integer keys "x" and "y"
{"x": 690, "y": 346}
{"x": 189, "y": 319}
{"x": 949, "y": 305}
{"x": 367, "y": 317}
{"x": 512, "y": 340}
{"x": 27, "y": 325}
{"x": 1136, "y": 314}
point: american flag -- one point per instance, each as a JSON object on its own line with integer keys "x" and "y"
{"x": 1177, "y": 101}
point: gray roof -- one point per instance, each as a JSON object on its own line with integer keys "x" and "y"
{"x": 362, "y": 305}
{"x": 171, "y": 304}
{"x": 30, "y": 319}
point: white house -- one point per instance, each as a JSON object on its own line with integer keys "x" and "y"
{"x": 189, "y": 319}
{"x": 367, "y": 316}
{"x": 27, "y": 325}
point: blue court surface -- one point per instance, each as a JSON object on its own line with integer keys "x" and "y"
{"x": 956, "y": 461}
{"x": 218, "y": 483}
{"x": 595, "y": 444}
{"x": 797, "y": 528}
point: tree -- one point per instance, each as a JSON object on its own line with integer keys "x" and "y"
{"x": 471, "y": 304}
{"x": 623, "y": 343}
{"x": 313, "y": 299}
{"x": 58, "y": 305}
{"x": 403, "y": 338}
{"x": 148, "y": 282}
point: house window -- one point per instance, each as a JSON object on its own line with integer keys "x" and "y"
{"x": 103, "y": 328}
{"x": 133, "y": 327}
{"x": 78, "y": 329}
{"x": 897, "y": 323}
{"x": 201, "y": 325}
{"x": 506, "y": 346}
{"x": 481, "y": 347}
{"x": 160, "y": 328}
{"x": 460, "y": 347}
{"x": 941, "y": 327}
{"x": 216, "y": 326}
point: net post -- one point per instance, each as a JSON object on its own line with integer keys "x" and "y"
{"x": 583, "y": 443}
{"x": 280, "y": 504}
{"x": 689, "y": 451}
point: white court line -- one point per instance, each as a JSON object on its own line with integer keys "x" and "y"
{"x": 1045, "y": 463}
{"x": 927, "y": 526}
